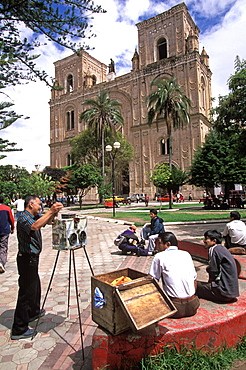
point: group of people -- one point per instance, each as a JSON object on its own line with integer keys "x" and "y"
{"x": 173, "y": 266}
{"x": 176, "y": 269}
{"x": 131, "y": 243}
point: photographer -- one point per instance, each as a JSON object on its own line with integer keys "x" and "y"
{"x": 29, "y": 249}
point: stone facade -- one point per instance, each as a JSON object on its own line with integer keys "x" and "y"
{"x": 168, "y": 45}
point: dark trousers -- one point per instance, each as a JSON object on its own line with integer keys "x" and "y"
{"x": 133, "y": 248}
{"x": 207, "y": 291}
{"x": 28, "y": 301}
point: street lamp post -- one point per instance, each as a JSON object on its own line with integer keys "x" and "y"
{"x": 109, "y": 148}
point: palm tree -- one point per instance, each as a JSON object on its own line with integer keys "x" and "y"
{"x": 168, "y": 102}
{"x": 103, "y": 113}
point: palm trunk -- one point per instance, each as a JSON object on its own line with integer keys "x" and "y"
{"x": 103, "y": 164}
{"x": 170, "y": 147}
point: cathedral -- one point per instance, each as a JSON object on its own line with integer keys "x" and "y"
{"x": 168, "y": 45}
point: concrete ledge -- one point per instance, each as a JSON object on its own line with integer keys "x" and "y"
{"x": 197, "y": 250}
{"x": 213, "y": 326}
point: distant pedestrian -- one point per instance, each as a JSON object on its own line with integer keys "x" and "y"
{"x": 146, "y": 200}
{"x": 6, "y": 227}
{"x": 190, "y": 197}
{"x": 19, "y": 204}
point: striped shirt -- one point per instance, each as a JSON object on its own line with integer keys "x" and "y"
{"x": 29, "y": 241}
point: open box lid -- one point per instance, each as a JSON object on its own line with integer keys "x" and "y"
{"x": 144, "y": 302}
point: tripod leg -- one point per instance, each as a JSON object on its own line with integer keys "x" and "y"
{"x": 87, "y": 257}
{"x": 77, "y": 296}
{"x": 48, "y": 289}
{"x": 69, "y": 281}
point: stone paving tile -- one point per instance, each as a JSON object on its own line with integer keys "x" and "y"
{"x": 58, "y": 343}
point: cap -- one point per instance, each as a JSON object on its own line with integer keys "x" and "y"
{"x": 133, "y": 227}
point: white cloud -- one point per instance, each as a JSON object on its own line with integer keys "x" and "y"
{"x": 223, "y": 44}
{"x": 209, "y": 7}
{"x": 117, "y": 38}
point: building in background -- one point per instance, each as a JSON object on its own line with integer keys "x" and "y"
{"x": 168, "y": 45}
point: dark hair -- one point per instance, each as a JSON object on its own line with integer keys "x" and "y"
{"x": 153, "y": 211}
{"x": 213, "y": 234}
{"x": 168, "y": 237}
{"x": 29, "y": 198}
{"x": 235, "y": 215}
{"x": 1, "y": 199}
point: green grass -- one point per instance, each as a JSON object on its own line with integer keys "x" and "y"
{"x": 171, "y": 359}
{"x": 139, "y": 217}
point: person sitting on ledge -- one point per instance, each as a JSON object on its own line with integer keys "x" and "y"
{"x": 222, "y": 285}
{"x": 176, "y": 269}
{"x": 235, "y": 233}
{"x": 151, "y": 230}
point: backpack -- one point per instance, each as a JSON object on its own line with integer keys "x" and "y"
{"x": 119, "y": 240}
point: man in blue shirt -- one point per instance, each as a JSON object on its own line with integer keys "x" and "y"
{"x": 29, "y": 248}
{"x": 151, "y": 230}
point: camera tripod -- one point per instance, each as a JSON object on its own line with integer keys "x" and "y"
{"x": 71, "y": 262}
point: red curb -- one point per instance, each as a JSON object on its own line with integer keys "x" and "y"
{"x": 212, "y": 327}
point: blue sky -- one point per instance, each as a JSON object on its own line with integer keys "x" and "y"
{"x": 222, "y": 25}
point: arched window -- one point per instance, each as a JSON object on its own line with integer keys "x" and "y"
{"x": 69, "y": 160}
{"x": 203, "y": 93}
{"x": 162, "y": 48}
{"x": 94, "y": 80}
{"x": 164, "y": 146}
{"x": 69, "y": 83}
{"x": 70, "y": 120}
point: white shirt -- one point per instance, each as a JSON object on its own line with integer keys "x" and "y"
{"x": 177, "y": 271}
{"x": 19, "y": 203}
{"x": 236, "y": 229}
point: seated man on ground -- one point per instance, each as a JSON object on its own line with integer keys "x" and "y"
{"x": 176, "y": 269}
{"x": 128, "y": 242}
{"x": 151, "y": 230}
{"x": 222, "y": 285}
{"x": 235, "y": 234}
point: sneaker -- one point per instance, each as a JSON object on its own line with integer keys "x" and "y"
{"x": 28, "y": 334}
{"x": 2, "y": 269}
{"x": 41, "y": 314}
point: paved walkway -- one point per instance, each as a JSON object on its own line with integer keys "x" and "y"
{"x": 58, "y": 344}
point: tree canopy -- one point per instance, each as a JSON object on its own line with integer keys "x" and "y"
{"x": 231, "y": 111}
{"x": 86, "y": 148}
{"x": 161, "y": 175}
{"x": 84, "y": 178}
{"x": 103, "y": 113}
{"x": 64, "y": 22}
{"x": 15, "y": 180}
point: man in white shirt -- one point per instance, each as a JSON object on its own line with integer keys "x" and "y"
{"x": 19, "y": 203}
{"x": 235, "y": 232}
{"x": 176, "y": 269}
